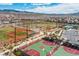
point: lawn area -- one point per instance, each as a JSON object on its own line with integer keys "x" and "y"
{"x": 62, "y": 52}
{"x": 24, "y": 33}
{"x": 37, "y": 46}
{"x": 4, "y": 31}
{"x": 20, "y": 33}
{"x": 3, "y": 35}
{"x": 7, "y": 29}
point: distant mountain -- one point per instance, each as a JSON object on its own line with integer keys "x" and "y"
{"x": 76, "y": 13}
{"x": 12, "y": 10}
{"x": 8, "y": 10}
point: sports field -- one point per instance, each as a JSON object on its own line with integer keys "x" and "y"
{"x": 42, "y": 48}
{"x": 7, "y": 35}
{"x": 62, "y": 52}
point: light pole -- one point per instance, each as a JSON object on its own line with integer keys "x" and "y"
{"x": 14, "y": 22}
{"x": 15, "y": 34}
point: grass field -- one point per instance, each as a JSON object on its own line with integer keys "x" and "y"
{"x": 3, "y": 35}
{"x": 7, "y": 34}
{"x": 7, "y": 29}
{"x": 20, "y": 33}
{"x": 4, "y": 31}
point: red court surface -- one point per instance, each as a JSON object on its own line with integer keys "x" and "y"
{"x": 48, "y": 43}
{"x": 32, "y": 52}
{"x": 70, "y": 50}
{"x": 23, "y": 47}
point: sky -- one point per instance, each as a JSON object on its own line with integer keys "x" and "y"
{"x": 46, "y": 8}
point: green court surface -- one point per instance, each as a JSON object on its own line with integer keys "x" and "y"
{"x": 42, "y": 52}
{"x": 62, "y": 52}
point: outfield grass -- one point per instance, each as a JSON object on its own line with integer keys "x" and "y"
{"x": 3, "y": 35}
{"x": 20, "y": 33}
{"x": 4, "y": 31}
{"x": 7, "y": 29}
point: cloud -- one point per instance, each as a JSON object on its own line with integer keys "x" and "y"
{"x": 40, "y": 4}
{"x": 57, "y": 9}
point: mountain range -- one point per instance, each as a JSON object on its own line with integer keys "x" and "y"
{"x": 17, "y": 11}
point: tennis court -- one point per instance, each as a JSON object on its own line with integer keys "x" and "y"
{"x": 43, "y": 48}
{"x": 62, "y": 52}
{"x": 39, "y": 48}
